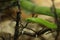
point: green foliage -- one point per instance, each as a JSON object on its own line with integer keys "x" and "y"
{"x": 43, "y": 22}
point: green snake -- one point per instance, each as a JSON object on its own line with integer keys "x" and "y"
{"x": 28, "y": 5}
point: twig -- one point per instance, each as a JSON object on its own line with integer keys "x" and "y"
{"x": 18, "y": 19}
{"x": 56, "y": 19}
